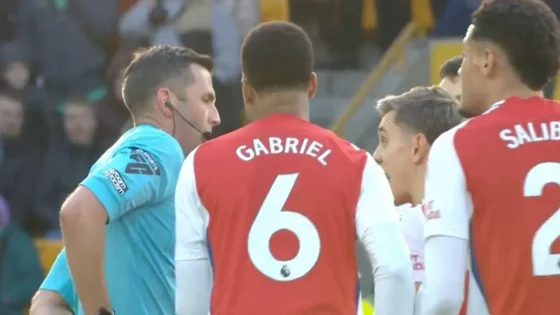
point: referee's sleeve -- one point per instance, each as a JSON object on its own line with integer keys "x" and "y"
{"x": 130, "y": 179}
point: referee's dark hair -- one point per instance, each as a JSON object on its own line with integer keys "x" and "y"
{"x": 430, "y": 111}
{"x": 157, "y": 67}
{"x": 277, "y": 56}
{"x": 450, "y": 68}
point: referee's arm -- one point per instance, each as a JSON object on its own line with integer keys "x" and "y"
{"x": 47, "y": 302}
{"x": 109, "y": 191}
{"x": 82, "y": 220}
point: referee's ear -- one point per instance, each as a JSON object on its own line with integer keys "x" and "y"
{"x": 312, "y": 87}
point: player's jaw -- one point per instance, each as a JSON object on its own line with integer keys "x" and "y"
{"x": 478, "y": 66}
{"x": 394, "y": 163}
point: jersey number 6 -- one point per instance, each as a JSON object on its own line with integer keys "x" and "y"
{"x": 270, "y": 219}
{"x": 544, "y": 263}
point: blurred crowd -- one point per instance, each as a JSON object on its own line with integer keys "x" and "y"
{"x": 60, "y": 98}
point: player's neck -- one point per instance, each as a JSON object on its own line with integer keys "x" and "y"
{"x": 417, "y": 190}
{"x": 511, "y": 90}
{"x": 291, "y": 104}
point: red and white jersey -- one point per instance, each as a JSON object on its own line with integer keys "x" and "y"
{"x": 277, "y": 206}
{"x": 494, "y": 181}
{"x": 412, "y": 222}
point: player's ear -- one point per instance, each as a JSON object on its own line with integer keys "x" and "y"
{"x": 420, "y": 148}
{"x": 312, "y": 86}
{"x": 487, "y": 60}
{"x": 248, "y": 92}
{"x": 163, "y": 98}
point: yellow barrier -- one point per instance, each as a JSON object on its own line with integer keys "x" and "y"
{"x": 274, "y": 10}
{"x": 48, "y": 250}
{"x": 422, "y": 15}
{"x": 442, "y": 50}
{"x": 392, "y": 54}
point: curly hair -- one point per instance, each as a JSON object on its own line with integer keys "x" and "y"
{"x": 527, "y": 31}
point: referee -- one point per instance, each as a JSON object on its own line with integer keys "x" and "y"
{"x": 118, "y": 225}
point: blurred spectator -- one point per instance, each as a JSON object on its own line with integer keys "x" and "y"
{"x": 20, "y": 268}
{"x": 455, "y": 18}
{"x": 67, "y": 163}
{"x": 150, "y": 22}
{"x": 112, "y": 112}
{"x": 64, "y": 43}
{"x": 8, "y": 17}
{"x": 21, "y": 162}
{"x": 339, "y": 24}
{"x": 16, "y": 75}
{"x": 392, "y": 17}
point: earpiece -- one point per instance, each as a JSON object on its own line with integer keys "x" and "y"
{"x": 168, "y": 104}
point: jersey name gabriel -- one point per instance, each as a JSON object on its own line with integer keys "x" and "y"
{"x": 284, "y": 145}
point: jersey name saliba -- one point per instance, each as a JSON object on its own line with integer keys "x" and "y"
{"x": 531, "y": 132}
{"x": 287, "y": 145}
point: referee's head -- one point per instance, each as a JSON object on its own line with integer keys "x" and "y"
{"x": 171, "y": 87}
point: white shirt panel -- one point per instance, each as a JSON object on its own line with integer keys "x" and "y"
{"x": 191, "y": 217}
{"x": 193, "y": 287}
{"x": 444, "y": 286}
{"x": 476, "y": 305}
{"x": 412, "y": 224}
{"x": 192, "y": 262}
{"x": 378, "y": 228}
{"x": 447, "y": 205}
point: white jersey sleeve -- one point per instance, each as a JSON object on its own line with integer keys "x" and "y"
{"x": 447, "y": 207}
{"x": 412, "y": 224}
{"x": 447, "y": 204}
{"x": 191, "y": 217}
{"x": 378, "y": 228}
{"x": 192, "y": 262}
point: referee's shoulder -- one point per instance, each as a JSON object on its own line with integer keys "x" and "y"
{"x": 157, "y": 143}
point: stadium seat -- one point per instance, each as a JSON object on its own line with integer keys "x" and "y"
{"x": 48, "y": 250}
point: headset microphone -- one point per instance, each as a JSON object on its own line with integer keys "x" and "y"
{"x": 207, "y": 135}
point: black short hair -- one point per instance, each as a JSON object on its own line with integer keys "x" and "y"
{"x": 430, "y": 111}
{"x": 450, "y": 69}
{"x": 277, "y": 55}
{"x": 527, "y": 31}
{"x": 151, "y": 69}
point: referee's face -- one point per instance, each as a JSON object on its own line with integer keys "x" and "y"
{"x": 198, "y": 110}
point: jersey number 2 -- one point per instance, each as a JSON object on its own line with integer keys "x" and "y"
{"x": 270, "y": 219}
{"x": 544, "y": 263}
